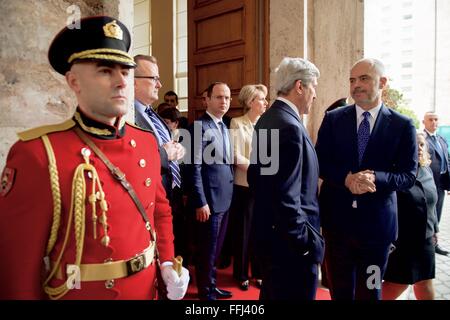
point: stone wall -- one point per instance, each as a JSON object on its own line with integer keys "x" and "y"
{"x": 330, "y": 34}
{"x": 31, "y": 93}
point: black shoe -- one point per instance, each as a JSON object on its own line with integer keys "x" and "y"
{"x": 439, "y": 250}
{"x": 223, "y": 294}
{"x": 244, "y": 285}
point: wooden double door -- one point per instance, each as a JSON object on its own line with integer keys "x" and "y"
{"x": 227, "y": 42}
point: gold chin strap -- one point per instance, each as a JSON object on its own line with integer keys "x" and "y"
{"x": 76, "y": 214}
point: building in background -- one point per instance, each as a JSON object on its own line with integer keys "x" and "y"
{"x": 412, "y": 37}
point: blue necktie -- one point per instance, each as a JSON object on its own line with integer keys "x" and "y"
{"x": 226, "y": 141}
{"x": 165, "y": 138}
{"x": 363, "y": 135}
{"x": 440, "y": 151}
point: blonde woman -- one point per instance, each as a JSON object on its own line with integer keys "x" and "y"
{"x": 413, "y": 260}
{"x": 253, "y": 99}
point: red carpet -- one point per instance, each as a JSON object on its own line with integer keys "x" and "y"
{"x": 226, "y": 281}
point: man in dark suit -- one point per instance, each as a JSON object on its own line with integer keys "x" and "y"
{"x": 438, "y": 149}
{"x": 211, "y": 178}
{"x": 146, "y": 88}
{"x": 286, "y": 212}
{"x": 366, "y": 153}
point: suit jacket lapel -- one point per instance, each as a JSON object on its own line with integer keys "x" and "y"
{"x": 351, "y": 131}
{"x": 283, "y": 106}
{"x": 379, "y": 136}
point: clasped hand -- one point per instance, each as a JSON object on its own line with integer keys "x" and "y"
{"x": 361, "y": 182}
{"x": 175, "y": 151}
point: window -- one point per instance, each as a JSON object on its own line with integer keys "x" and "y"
{"x": 407, "y": 4}
{"x": 407, "y": 65}
{"x": 407, "y": 76}
{"x": 181, "y": 53}
{"x": 407, "y": 53}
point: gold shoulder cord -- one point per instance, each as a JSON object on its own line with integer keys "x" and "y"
{"x": 77, "y": 205}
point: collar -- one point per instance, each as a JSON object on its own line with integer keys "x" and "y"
{"x": 373, "y": 112}
{"x": 99, "y": 129}
{"x": 430, "y": 134}
{"x": 290, "y": 104}
{"x": 140, "y": 107}
{"x": 215, "y": 119}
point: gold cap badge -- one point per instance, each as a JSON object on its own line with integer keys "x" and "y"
{"x": 113, "y": 30}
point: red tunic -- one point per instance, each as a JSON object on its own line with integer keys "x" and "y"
{"x": 26, "y": 215}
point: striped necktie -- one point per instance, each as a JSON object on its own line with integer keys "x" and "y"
{"x": 165, "y": 138}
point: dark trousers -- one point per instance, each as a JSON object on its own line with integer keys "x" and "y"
{"x": 440, "y": 202}
{"x": 241, "y": 230}
{"x": 291, "y": 278}
{"x": 180, "y": 225}
{"x": 209, "y": 240}
{"x": 354, "y": 270}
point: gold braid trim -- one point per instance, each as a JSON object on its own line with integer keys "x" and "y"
{"x": 100, "y": 51}
{"x": 109, "y": 57}
{"x": 98, "y": 132}
{"x": 56, "y": 194}
{"x": 77, "y": 214}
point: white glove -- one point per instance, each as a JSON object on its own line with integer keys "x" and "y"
{"x": 176, "y": 285}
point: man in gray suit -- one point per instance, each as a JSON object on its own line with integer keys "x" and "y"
{"x": 146, "y": 86}
{"x": 438, "y": 149}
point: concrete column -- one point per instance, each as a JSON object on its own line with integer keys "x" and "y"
{"x": 330, "y": 35}
{"x": 162, "y": 15}
{"x": 286, "y": 33}
{"x": 338, "y": 39}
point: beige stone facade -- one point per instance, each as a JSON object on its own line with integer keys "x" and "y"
{"x": 328, "y": 32}
{"x": 31, "y": 93}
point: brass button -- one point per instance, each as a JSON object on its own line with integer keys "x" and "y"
{"x": 148, "y": 182}
{"x": 142, "y": 163}
{"x": 133, "y": 143}
{"x": 85, "y": 152}
{"x": 109, "y": 284}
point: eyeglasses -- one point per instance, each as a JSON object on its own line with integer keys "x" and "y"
{"x": 155, "y": 79}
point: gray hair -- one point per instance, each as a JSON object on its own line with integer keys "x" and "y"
{"x": 292, "y": 69}
{"x": 376, "y": 65}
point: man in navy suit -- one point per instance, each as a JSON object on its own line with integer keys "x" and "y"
{"x": 438, "y": 149}
{"x": 366, "y": 153}
{"x": 286, "y": 212}
{"x": 211, "y": 180}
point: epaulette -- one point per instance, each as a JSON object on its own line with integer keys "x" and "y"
{"x": 34, "y": 133}
{"x": 137, "y": 127}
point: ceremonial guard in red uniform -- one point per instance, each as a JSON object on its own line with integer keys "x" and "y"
{"x": 69, "y": 226}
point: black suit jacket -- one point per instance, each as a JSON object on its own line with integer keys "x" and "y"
{"x": 286, "y": 210}
{"x": 413, "y": 213}
{"x": 391, "y": 152}
{"x": 442, "y": 182}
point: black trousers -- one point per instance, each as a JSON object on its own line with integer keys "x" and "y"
{"x": 354, "y": 270}
{"x": 209, "y": 240}
{"x": 241, "y": 215}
